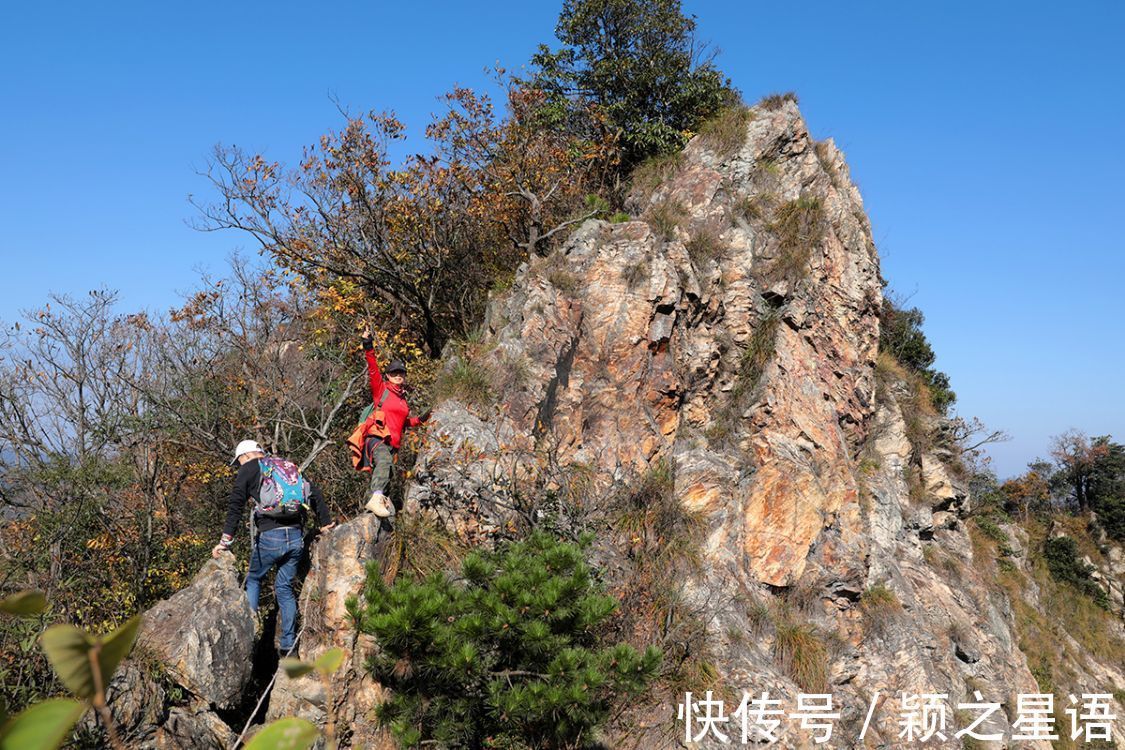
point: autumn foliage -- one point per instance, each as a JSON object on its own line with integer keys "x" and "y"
{"x": 423, "y": 242}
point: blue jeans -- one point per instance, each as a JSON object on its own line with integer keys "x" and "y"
{"x": 281, "y": 547}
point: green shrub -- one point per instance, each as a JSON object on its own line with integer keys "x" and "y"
{"x": 506, "y": 655}
{"x": 901, "y": 336}
{"x": 637, "y": 61}
{"x": 991, "y": 530}
{"x": 1061, "y": 554}
{"x": 1111, "y": 515}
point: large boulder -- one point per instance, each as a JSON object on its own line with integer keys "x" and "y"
{"x": 204, "y": 634}
{"x": 193, "y": 656}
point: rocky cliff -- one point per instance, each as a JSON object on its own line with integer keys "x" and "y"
{"x": 729, "y": 336}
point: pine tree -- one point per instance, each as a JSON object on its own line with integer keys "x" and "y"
{"x": 638, "y": 62}
{"x": 508, "y": 655}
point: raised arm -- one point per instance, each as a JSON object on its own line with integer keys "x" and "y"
{"x": 374, "y": 377}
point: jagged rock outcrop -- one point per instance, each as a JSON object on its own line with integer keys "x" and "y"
{"x": 339, "y": 559}
{"x": 732, "y": 331}
{"x": 193, "y": 658}
{"x": 204, "y": 635}
{"x": 629, "y": 359}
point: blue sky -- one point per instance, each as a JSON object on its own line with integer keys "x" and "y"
{"x": 986, "y": 139}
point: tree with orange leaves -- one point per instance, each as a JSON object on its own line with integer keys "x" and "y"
{"x": 426, "y": 240}
{"x": 533, "y": 177}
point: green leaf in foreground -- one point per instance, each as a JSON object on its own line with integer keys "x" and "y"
{"x": 285, "y": 734}
{"x": 330, "y": 661}
{"x": 295, "y": 667}
{"x": 68, "y": 649}
{"x": 44, "y": 726}
{"x": 24, "y": 604}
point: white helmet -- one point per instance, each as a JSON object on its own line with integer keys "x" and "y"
{"x": 246, "y": 446}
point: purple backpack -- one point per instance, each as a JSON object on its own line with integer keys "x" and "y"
{"x": 283, "y": 490}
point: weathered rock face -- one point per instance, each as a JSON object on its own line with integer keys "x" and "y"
{"x": 337, "y": 573}
{"x": 629, "y": 347}
{"x": 205, "y": 634}
{"x": 733, "y": 333}
{"x": 193, "y": 657}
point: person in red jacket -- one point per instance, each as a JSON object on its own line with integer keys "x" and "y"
{"x": 388, "y": 394}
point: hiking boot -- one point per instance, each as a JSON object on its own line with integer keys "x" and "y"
{"x": 379, "y": 505}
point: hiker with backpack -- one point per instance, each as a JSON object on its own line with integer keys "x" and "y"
{"x": 376, "y": 440}
{"x": 281, "y": 496}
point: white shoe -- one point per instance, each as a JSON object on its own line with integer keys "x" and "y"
{"x": 378, "y": 505}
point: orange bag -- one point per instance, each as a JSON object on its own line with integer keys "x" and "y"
{"x": 373, "y": 423}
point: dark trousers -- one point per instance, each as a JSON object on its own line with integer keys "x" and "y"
{"x": 382, "y": 461}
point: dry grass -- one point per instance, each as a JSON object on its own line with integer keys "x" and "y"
{"x": 759, "y": 350}
{"x": 799, "y": 650}
{"x": 773, "y": 102}
{"x": 635, "y": 273}
{"x": 661, "y": 532}
{"x": 799, "y": 225}
{"x": 467, "y": 381}
{"x": 879, "y": 606}
{"x": 725, "y": 133}
{"x": 665, "y": 217}
{"x": 931, "y": 555}
{"x": 655, "y": 171}
{"x": 913, "y": 397}
{"x": 513, "y": 373}
{"x": 824, "y": 156}
{"x": 419, "y": 545}
{"x": 1042, "y": 634}
{"x": 662, "y": 541}
{"x": 755, "y": 208}
{"x": 759, "y": 616}
{"x": 802, "y": 597}
{"x": 563, "y": 280}
{"x": 751, "y": 366}
{"x": 704, "y": 244}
